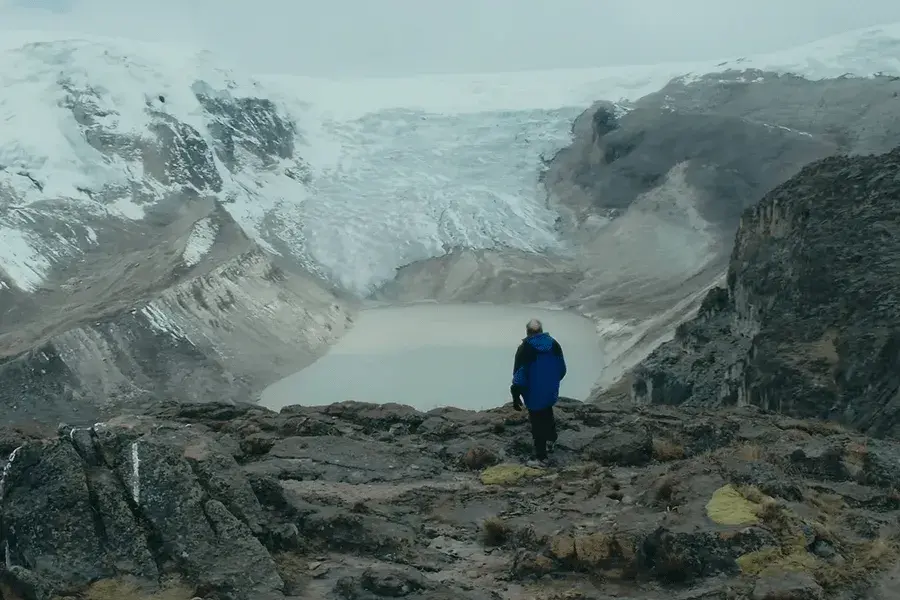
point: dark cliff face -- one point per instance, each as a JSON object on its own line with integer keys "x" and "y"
{"x": 740, "y": 133}
{"x": 809, "y": 324}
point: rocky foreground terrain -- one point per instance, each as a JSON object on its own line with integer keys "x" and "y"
{"x": 808, "y": 323}
{"x": 360, "y": 502}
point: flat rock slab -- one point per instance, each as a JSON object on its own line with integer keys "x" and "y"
{"x": 348, "y": 493}
{"x": 358, "y": 461}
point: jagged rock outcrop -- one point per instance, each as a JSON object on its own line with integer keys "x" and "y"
{"x": 808, "y": 322}
{"x": 356, "y": 501}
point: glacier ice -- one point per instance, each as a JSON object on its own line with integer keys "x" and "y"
{"x": 400, "y": 168}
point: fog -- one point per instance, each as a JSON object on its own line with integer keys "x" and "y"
{"x": 401, "y": 37}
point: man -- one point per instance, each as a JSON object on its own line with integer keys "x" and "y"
{"x": 538, "y": 368}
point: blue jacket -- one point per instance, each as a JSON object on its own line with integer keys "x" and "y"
{"x": 538, "y": 368}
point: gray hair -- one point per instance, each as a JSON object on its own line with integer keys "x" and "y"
{"x": 534, "y": 326}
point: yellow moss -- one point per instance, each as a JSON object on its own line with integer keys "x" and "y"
{"x": 120, "y": 589}
{"x": 756, "y": 563}
{"x": 728, "y": 507}
{"x": 508, "y": 474}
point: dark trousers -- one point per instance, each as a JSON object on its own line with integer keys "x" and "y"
{"x": 543, "y": 430}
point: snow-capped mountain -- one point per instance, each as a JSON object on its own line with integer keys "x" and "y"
{"x": 148, "y": 194}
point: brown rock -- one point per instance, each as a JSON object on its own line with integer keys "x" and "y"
{"x": 623, "y": 447}
{"x": 563, "y": 547}
{"x": 787, "y": 585}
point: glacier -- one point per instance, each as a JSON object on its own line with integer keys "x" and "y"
{"x": 395, "y": 170}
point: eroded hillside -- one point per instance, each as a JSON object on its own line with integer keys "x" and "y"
{"x": 808, "y": 322}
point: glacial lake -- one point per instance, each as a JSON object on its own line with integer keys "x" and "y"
{"x": 433, "y": 355}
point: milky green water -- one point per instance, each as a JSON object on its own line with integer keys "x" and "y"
{"x": 432, "y": 355}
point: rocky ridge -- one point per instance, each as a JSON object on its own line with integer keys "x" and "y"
{"x": 357, "y": 501}
{"x": 807, "y": 324}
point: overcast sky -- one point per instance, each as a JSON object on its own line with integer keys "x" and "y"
{"x": 391, "y": 37}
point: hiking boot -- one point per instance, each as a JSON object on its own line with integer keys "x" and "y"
{"x": 538, "y": 463}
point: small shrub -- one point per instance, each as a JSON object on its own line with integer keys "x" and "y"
{"x": 775, "y": 516}
{"x": 664, "y": 490}
{"x": 508, "y": 474}
{"x": 749, "y": 452}
{"x": 752, "y": 493}
{"x": 478, "y": 458}
{"x": 495, "y": 531}
{"x": 595, "y": 486}
{"x": 861, "y": 563}
{"x": 665, "y": 450}
{"x": 526, "y": 537}
{"x": 293, "y": 569}
{"x": 829, "y": 505}
{"x": 588, "y": 469}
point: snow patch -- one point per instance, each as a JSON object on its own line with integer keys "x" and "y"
{"x": 135, "y": 473}
{"x": 161, "y": 322}
{"x": 6, "y": 469}
{"x": 200, "y": 241}
{"x": 20, "y": 259}
{"x": 126, "y": 208}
